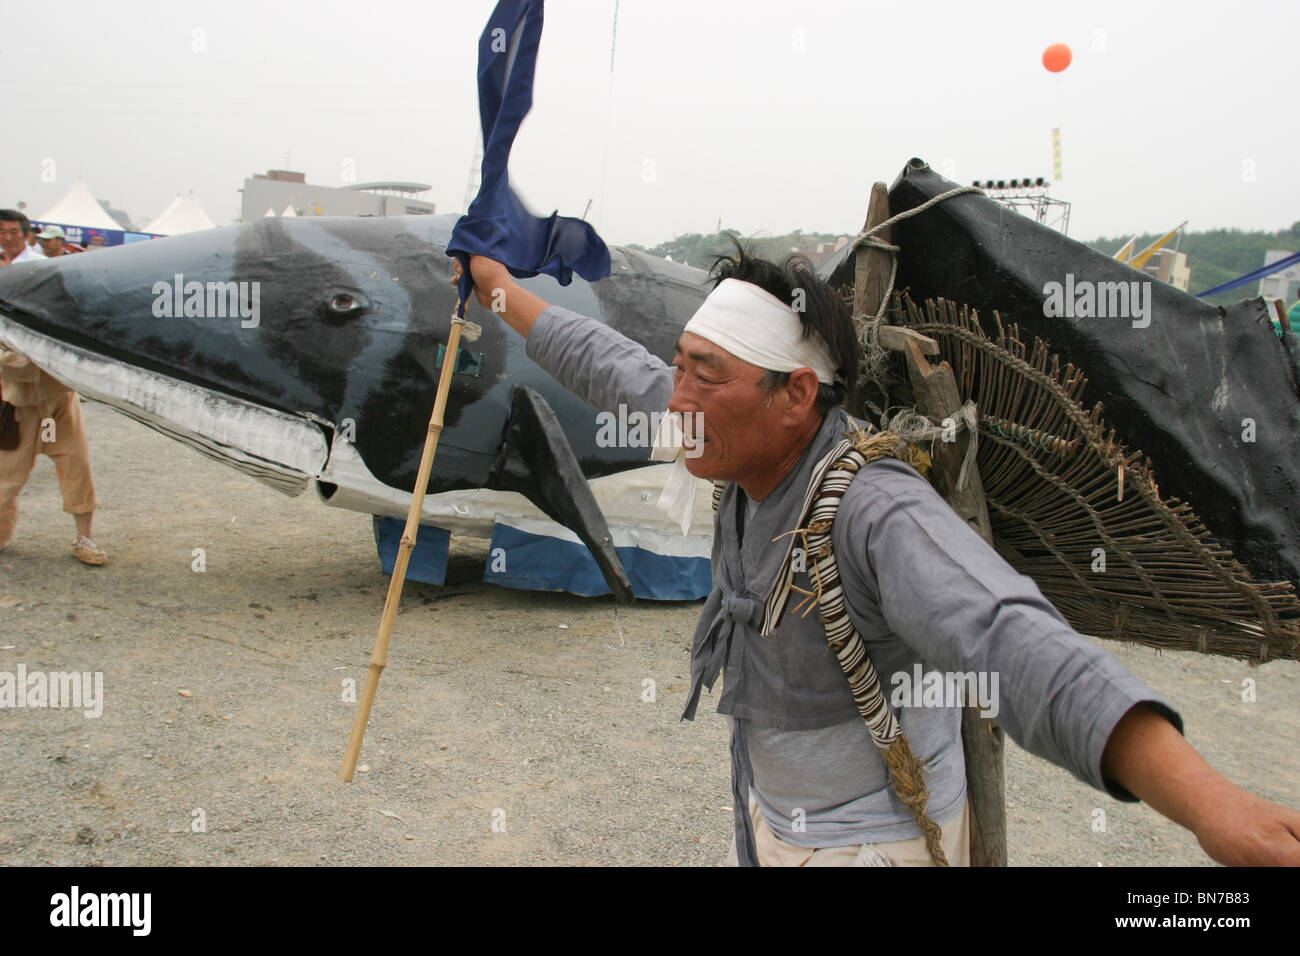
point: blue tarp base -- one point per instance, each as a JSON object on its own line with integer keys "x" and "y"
{"x": 428, "y": 563}
{"x": 533, "y": 562}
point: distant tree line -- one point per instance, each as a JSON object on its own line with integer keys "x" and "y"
{"x": 696, "y": 249}
{"x": 1214, "y": 256}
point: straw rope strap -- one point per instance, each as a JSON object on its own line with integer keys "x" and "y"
{"x": 905, "y": 771}
{"x": 831, "y": 477}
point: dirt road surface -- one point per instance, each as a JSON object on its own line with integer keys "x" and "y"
{"x": 510, "y": 727}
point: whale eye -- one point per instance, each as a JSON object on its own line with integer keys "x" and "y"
{"x": 341, "y": 306}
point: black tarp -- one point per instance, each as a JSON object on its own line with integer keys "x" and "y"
{"x": 1209, "y": 395}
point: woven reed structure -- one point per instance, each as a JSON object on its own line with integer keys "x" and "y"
{"x": 1082, "y": 515}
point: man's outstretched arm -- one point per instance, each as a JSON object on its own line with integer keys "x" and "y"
{"x": 911, "y": 566}
{"x": 1147, "y": 756}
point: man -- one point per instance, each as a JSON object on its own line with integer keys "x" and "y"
{"x": 50, "y": 423}
{"x": 14, "y": 227}
{"x": 920, "y": 587}
{"x": 49, "y": 416}
{"x": 52, "y": 241}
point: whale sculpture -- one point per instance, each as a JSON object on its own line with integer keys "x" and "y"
{"x": 306, "y": 352}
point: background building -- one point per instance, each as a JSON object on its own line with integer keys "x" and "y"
{"x": 1169, "y": 265}
{"x": 282, "y": 189}
{"x": 817, "y": 250}
{"x": 1284, "y": 285}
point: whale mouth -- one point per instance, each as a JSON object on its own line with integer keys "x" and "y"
{"x": 278, "y": 449}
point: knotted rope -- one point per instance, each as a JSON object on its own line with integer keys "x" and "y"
{"x": 874, "y": 356}
{"x": 915, "y": 428}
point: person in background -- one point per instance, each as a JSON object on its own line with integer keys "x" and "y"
{"x": 14, "y": 227}
{"x": 50, "y": 423}
{"x": 52, "y": 242}
{"x": 49, "y": 417}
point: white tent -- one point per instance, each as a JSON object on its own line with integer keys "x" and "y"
{"x": 171, "y": 207}
{"x": 288, "y": 211}
{"x": 78, "y": 207}
{"x": 269, "y": 212}
{"x": 183, "y": 214}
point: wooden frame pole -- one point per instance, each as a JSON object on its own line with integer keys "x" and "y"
{"x": 936, "y": 394}
{"x": 379, "y": 657}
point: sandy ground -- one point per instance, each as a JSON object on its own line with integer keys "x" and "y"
{"x": 510, "y": 727}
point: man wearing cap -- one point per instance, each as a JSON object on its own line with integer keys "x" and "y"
{"x": 765, "y": 361}
{"x": 52, "y": 239}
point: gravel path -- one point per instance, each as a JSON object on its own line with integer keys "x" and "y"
{"x": 510, "y": 727}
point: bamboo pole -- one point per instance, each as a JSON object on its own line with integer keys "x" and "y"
{"x": 379, "y": 657}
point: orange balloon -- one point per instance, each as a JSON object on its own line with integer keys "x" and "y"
{"x": 1057, "y": 57}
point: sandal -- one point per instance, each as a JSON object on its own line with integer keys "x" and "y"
{"x": 87, "y": 552}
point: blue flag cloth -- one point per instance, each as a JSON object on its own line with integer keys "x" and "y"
{"x": 497, "y": 224}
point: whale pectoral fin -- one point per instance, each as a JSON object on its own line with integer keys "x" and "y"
{"x": 537, "y": 462}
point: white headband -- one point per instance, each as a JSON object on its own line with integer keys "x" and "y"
{"x": 759, "y": 328}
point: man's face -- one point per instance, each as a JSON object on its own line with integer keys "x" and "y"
{"x": 742, "y": 431}
{"x": 52, "y": 247}
{"x": 12, "y": 240}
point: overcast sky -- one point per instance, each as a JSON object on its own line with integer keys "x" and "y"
{"x": 770, "y": 115}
